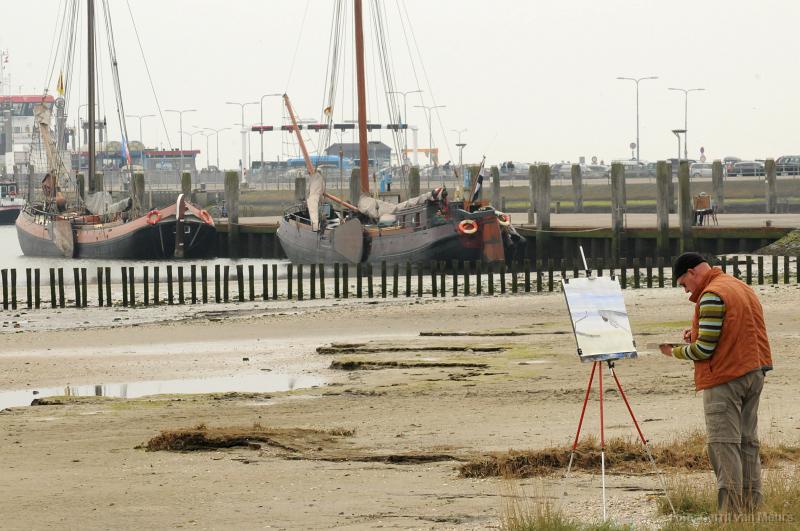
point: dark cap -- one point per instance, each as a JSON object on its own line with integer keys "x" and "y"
{"x": 685, "y": 262}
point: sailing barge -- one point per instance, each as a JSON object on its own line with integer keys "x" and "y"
{"x": 326, "y": 229}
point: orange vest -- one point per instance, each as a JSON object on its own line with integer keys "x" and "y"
{"x": 743, "y": 345}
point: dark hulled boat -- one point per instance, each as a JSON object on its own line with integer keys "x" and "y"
{"x": 9, "y": 213}
{"x": 186, "y": 232}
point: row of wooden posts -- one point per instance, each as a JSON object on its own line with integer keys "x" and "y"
{"x": 524, "y": 279}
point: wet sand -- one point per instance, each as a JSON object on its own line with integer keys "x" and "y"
{"x": 78, "y": 464}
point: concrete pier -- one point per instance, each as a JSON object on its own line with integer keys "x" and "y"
{"x": 413, "y": 182}
{"x": 772, "y": 188}
{"x": 577, "y": 188}
{"x": 532, "y": 194}
{"x": 299, "y": 189}
{"x": 718, "y": 186}
{"x": 617, "y": 209}
{"x": 685, "y": 210}
{"x": 496, "y": 199}
{"x": 232, "y": 202}
{"x": 663, "y": 180}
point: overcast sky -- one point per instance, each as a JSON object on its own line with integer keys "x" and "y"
{"x": 530, "y": 80}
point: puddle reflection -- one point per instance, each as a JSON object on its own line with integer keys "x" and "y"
{"x": 247, "y": 383}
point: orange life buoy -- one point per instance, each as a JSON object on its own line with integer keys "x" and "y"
{"x": 503, "y": 218}
{"x": 467, "y": 226}
{"x": 205, "y": 217}
{"x": 153, "y": 217}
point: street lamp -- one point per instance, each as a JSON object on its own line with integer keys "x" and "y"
{"x": 677, "y": 133}
{"x": 141, "y": 138}
{"x": 180, "y": 121}
{"x": 191, "y": 136}
{"x": 216, "y": 132}
{"x": 686, "y": 117}
{"x": 636, "y": 80}
{"x": 428, "y": 109}
{"x": 261, "y": 132}
{"x": 202, "y": 131}
{"x": 460, "y": 145}
{"x": 244, "y": 132}
{"x": 405, "y": 112}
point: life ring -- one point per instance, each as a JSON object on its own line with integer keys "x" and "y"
{"x": 153, "y": 217}
{"x": 205, "y": 217}
{"x": 504, "y": 219}
{"x": 467, "y": 226}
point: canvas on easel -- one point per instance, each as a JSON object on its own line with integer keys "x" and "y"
{"x": 599, "y": 319}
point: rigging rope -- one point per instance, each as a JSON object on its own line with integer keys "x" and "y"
{"x": 297, "y": 46}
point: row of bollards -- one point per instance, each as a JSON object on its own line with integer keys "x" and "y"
{"x": 393, "y": 280}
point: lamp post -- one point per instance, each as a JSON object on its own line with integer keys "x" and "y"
{"x": 261, "y": 132}
{"x": 405, "y": 112}
{"x": 460, "y": 145}
{"x": 244, "y": 132}
{"x": 677, "y": 133}
{"x": 202, "y": 131}
{"x": 428, "y": 109}
{"x": 636, "y": 81}
{"x": 217, "y": 132}
{"x": 141, "y": 137}
{"x": 180, "y": 113}
{"x": 686, "y": 117}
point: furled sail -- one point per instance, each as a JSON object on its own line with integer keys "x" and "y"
{"x": 316, "y": 189}
{"x": 384, "y": 212}
{"x": 100, "y": 203}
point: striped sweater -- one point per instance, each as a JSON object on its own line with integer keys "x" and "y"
{"x": 712, "y": 313}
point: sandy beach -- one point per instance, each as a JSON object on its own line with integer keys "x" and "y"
{"x": 418, "y": 406}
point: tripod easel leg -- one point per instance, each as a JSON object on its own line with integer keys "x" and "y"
{"x": 641, "y": 436}
{"x": 580, "y": 422}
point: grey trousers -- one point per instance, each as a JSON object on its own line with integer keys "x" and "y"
{"x": 731, "y": 411}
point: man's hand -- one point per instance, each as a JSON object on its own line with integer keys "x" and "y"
{"x": 687, "y": 335}
{"x": 666, "y": 349}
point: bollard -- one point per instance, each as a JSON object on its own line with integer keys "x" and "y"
{"x": 226, "y": 274}
{"x": 383, "y": 279}
{"x": 748, "y": 270}
{"x": 395, "y": 279}
{"x": 28, "y": 288}
{"x": 774, "y": 270}
{"x": 14, "y": 289}
{"x": 251, "y": 282}
{"x": 181, "y": 298}
{"x": 264, "y": 282}
{"x": 170, "y": 293}
{"x": 370, "y": 291}
{"x": 358, "y": 280}
{"x": 345, "y": 281}
{"x": 532, "y": 183}
{"x": 193, "y": 280}
{"x": 52, "y": 287}
{"x": 100, "y": 287}
{"x": 299, "y": 282}
{"x": 542, "y": 208}
{"x": 4, "y": 272}
{"x": 217, "y": 287}
{"x": 336, "y": 280}
{"x": 240, "y": 281}
{"x": 38, "y": 295}
{"x": 109, "y": 302}
{"x": 76, "y": 280}
{"x": 146, "y": 285}
{"x": 312, "y": 280}
{"x": 274, "y": 281}
{"x": 204, "y": 283}
{"x": 156, "y": 279}
{"x": 785, "y": 274}
{"x": 321, "y": 281}
{"x": 124, "y": 286}
{"x": 132, "y": 289}
{"x": 760, "y": 270}
{"x": 289, "y": 279}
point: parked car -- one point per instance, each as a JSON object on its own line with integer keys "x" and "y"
{"x": 728, "y": 162}
{"x": 788, "y": 165}
{"x": 700, "y": 169}
{"x": 748, "y": 169}
{"x": 597, "y": 171}
{"x": 633, "y": 168}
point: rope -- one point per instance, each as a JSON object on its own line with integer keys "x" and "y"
{"x": 297, "y": 47}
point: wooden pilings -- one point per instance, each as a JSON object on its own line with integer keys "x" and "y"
{"x": 771, "y": 187}
{"x": 685, "y": 211}
{"x": 663, "y": 178}
{"x": 717, "y": 186}
{"x": 617, "y": 209}
{"x": 577, "y": 187}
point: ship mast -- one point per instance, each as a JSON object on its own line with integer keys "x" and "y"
{"x": 90, "y": 63}
{"x": 362, "y": 101}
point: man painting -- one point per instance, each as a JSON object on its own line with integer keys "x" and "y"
{"x": 730, "y": 350}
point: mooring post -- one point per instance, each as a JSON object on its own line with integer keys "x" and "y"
{"x": 186, "y": 185}
{"x": 527, "y": 265}
{"x": 109, "y": 301}
{"x": 623, "y": 273}
{"x": 170, "y": 294}
{"x": 146, "y": 285}
{"x": 204, "y": 283}
{"x": 4, "y": 273}
{"x": 717, "y": 186}
{"x": 52, "y": 287}
{"x": 442, "y": 278}
{"x": 345, "y": 280}
{"x": 28, "y": 288}
{"x": 38, "y": 296}
{"x": 124, "y": 272}
{"x": 542, "y": 208}
{"x": 748, "y": 270}
{"x": 84, "y": 287}
{"x": 217, "y": 283}
{"x": 478, "y": 277}
{"x": 132, "y": 288}
{"x": 100, "y": 287}
{"x": 61, "y": 298}
{"x": 532, "y": 180}
{"x": 419, "y": 279}
{"x": 156, "y": 279}
{"x": 514, "y": 280}
{"x": 395, "y": 279}
{"x": 321, "y": 280}
{"x": 663, "y": 179}
{"x": 251, "y": 282}
{"x": 312, "y": 280}
{"x": 359, "y": 280}
{"x": 454, "y": 273}
{"x": 226, "y": 276}
{"x": 685, "y": 211}
{"x": 300, "y": 282}
{"x": 408, "y": 279}
{"x": 232, "y": 203}
{"x": 760, "y": 270}
{"x": 14, "y": 290}
{"x": 76, "y": 280}
{"x": 577, "y": 188}
{"x": 240, "y": 281}
{"x": 466, "y": 278}
{"x": 193, "y": 280}
{"x": 617, "y": 210}
{"x": 491, "y": 278}
{"x": 496, "y": 199}
{"x": 660, "y": 263}
{"x": 264, "y": 282}
{"x": 370, "y": 278}
{"x": 274, "y": 281}
{"x": 413, "y": 182}
{"x": 383, "y": 279}
{"x": 772, "y": 186}
{"x": 336, "y": 268}
{"x": 181, "y": 298}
